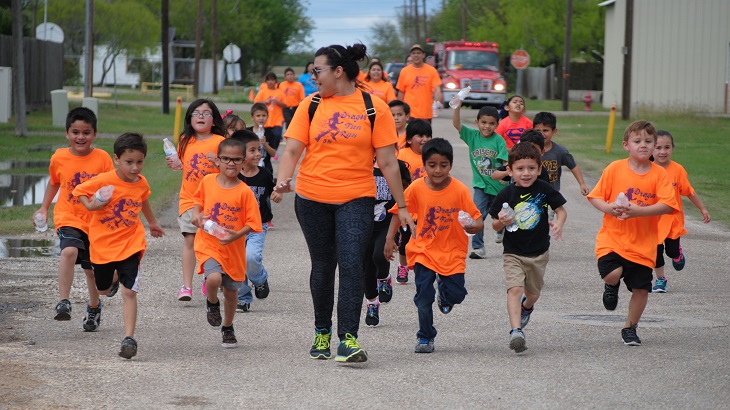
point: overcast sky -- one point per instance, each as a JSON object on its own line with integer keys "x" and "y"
{"x": 348, "y": 22}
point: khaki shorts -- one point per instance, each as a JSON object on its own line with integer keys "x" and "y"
{"x": 525, "y": 271}
{"x": 186, "y": 222}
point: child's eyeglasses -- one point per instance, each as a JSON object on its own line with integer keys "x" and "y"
{"x": 204, "y": 114}
{"x": 228, "y": 160}
{"x": 316, "y": 71}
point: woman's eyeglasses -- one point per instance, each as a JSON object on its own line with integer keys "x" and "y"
{"x": 316, "y": 71}
{"x": 204, "y": 114}
{"x": 228, "y": 160}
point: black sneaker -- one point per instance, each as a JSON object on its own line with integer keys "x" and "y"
{"x": 610, "y": 296}
{"x": 630, "y": 337}
{"x": 92, "y": 320}
{"x": 444, "y": 308}
{"x": 349, "y": 351}
{"x": 113, "y": 290}
{"x": 63, "y": 310}
{"x": 243, "y": 307}
{"x": 385, "y": 289}
{"x": 262, "y": 290}
{"x": 129, "y": 348}
{"x": 214, "y": 314}
{"x": 321, "y": 344}
{"x": 372, "y": 317}
{"x": 229, "y": 337}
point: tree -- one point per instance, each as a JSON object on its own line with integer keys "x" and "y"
{"x": 387, "y": 42}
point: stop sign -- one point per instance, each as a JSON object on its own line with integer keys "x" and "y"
{"x": 520, "y": 59}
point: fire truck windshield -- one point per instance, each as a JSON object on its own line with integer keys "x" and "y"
{"x": 472, "y": 60}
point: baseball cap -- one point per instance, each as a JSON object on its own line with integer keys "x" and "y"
{"x": 416, "y": 47}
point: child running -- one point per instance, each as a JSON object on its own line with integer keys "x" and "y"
{"x": 262, "y": 186}
{"x": 70, "y": 167}
{"x": 116, "y": 230}
{"x": 201, "y": 135}
{"x": 525, "y": 254}
{"x": 401, "y": 114}
{"x": 418, "y": 133}
{"x": 269, "y": 143}
{"x": 223, "y": 199}
{"x": 437, "y": 251}
{"x": 626, "y": 244}
{"x": 487, "y": 152}
{"x": 513, "y": 121}
{"x": 232, "y": 123}
{"x": 671, "y": 226}
{"x": 556, "y": 155}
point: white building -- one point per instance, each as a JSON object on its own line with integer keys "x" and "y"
{"x": 680, "y": 54}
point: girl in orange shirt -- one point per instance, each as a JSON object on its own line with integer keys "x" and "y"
{"x": 671, "y": 226}
{"x": 202, "y": 133}
{"x": 377, "y": 85}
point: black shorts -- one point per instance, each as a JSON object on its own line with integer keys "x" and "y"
{"x": 76, "y": 238}
{"x": 635, "y": 276}
{"x": 127, "y": 270}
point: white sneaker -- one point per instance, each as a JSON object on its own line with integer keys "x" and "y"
{"x": 478, "y": 254}
{"x": 498, "y": 236}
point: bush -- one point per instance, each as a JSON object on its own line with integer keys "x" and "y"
{"x": 71, "y": 72}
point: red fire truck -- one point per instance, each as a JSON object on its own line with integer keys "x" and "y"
{"x": 469, "y": 63}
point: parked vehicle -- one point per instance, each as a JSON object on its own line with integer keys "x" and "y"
{"x": 393, "y": 70}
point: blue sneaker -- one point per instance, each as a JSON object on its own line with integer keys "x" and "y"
{"x": 321, "y": 344}
{"x": 424, "y": 345}
{"x": 349, "y": 351}
{"x": 660, "y": 286}
{"x": 525, "y": 316}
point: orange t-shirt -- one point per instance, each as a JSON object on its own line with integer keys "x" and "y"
{"x": 116, "y": 231}
{"x": 293, "y": 93}
{"x": 439, "y": 242}
{"x": 672, "y": 225}
{"x": 417, "y": 86}
{"x": 232, "y": 208}
{"x": 67, "y": 171}
{"x": 383, "y": 89}
{"x": 338, "y": 161}
{"x": 634, "y": 238}
{"x": 195, "y": 166}
{"x": 512, "y": 131}
{"x": 401, "y": 141}
{"x": 276, "y": 113}
{"x": 413, "y": 161}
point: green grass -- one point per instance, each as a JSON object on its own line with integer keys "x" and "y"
{"x": 164, "y": 182}
{"x": 557, "y": 105}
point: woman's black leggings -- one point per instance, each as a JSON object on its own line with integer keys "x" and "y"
{"x": 336, "y": 235}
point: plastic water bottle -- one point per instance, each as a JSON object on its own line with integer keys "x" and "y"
{"x": 104, "y": 194}
{"x": 435, "y": 107}
{"x": 507, "y": 211}
{"x": 40, "y": 222}
{"x": 461, "y": 95}
{"x": 466, "y": 220}
{"x": 622, "y": 200}
{"x": 171, "y": 152}
{"x": 214, "y": 229}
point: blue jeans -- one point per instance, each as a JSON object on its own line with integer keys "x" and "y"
{"x": 451, "y": 288}
{"x": 255, "y": 270}
{"x": 483, "y": 201}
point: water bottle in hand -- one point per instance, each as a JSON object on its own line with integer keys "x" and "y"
{"x": 509, "y": 212}
{"x": 40, "y": 222}
{"x": 171, "y": 152}
{"x": 622, "y": 200}
{"x": 466, "y": 220}
{"x": 435, "y": 107}
{"x": 104, "y": 194}
{"x": 461, "y": 96}
{"x": 214, "y": 229}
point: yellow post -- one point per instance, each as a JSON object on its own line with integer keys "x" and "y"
{"x": 609, "y": 134}
{"x": 178, "y": 114}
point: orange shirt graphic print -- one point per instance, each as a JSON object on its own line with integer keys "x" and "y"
{"x": 224, "y": 215}
{"x": 123, "y": 213}
{"x": 200, "y": 166}
{"x": 420, "y": 81}
{"x": 339, "y": 125}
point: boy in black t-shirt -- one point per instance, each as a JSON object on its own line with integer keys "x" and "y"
{"x": 262, "y": 185}
{"x": 269, "y": 142}
{"x": 526, "y": 248}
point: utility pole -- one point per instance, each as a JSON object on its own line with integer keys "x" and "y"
{"x": 425, "y": 22}
{"x": 89, "y": 77}
{"x": 198, "y": 40}
{"x": 628, "y": 43}
{"x": 416, "y": 19}
{"x": 165, "y": 23}
{"x": 21, "y": 128}
{"x": 214, "y": 6}
{"x": 566, "y": 53}
{"x": 463, "y": 19}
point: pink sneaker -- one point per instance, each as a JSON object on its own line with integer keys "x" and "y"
{"x": 203, "y": 289}
{"x": 185, "y": 294}
{"x": 402, "y": 275}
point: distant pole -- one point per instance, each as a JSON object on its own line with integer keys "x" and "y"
{"x": 214, "y": 12}
{"x": 21, "y": 128}
{"x": 165, "y": 23}
{"x": 463, "y": 19}
{"x": 425, "y": 23}
{"x": 89, "y": 55}
{"x": 628, "y": 44}
{"x": 566, "y": 52}
{"x": 417, "y": 20}
{"x": 198, "y": 40}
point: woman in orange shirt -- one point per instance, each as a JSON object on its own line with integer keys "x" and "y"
{"x": 335, "y": 190}
{"x": 376, "y": 83}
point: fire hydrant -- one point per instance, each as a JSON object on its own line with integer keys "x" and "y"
{"x": 588, "y": 100}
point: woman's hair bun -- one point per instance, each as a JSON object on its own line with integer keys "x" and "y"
{"x": 357, "y": 51}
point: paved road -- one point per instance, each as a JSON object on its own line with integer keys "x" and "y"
{"x": 575, "y": 359}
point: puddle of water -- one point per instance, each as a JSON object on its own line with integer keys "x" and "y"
{"x": 28, "y": 248}
{"x": 23, "y": 189}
